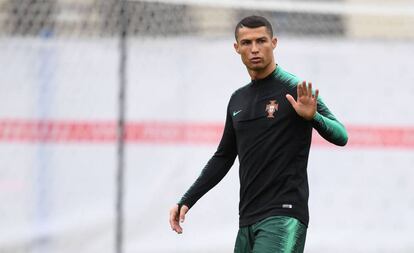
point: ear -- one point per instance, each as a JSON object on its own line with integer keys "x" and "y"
{"x": 274, "y": 42}
{"x": 236, "y": 47}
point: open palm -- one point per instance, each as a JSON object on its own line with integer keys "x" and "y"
{"x": 305, "y": 105}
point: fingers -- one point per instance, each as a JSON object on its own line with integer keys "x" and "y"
{"x": 305, "y": 90}
{"x": 291, "y": 100}
{"x": 183, "y": 212}
{"x": 299, "y": 89}
{"x": 176, "y": 217}
{"x": 173, "y": 215}
{"x": 309, "y": 90}
{"x": 316, "y": 94}
{"x": 175, "y": 225}
{"x": 306, "y": 102}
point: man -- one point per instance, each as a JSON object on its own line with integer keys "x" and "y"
{"x": 269, "y": 127}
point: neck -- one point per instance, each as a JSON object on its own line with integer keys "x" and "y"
{"x": 260, "y": 74}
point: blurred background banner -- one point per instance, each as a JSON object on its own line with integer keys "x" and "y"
{"x": 59, "y": 85}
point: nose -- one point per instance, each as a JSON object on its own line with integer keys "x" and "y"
{"x": 255, "y": 48}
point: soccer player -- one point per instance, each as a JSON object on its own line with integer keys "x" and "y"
{"x": 269, "y": 127}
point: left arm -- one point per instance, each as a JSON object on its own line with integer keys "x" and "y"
{"x": 310, "y": 107}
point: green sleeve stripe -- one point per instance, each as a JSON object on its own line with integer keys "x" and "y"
{"x": 328, "y": 126}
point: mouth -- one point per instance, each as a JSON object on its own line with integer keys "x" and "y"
{"x": 255, "y": 60}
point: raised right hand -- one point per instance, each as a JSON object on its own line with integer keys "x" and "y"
{"x": 306, "y": 103}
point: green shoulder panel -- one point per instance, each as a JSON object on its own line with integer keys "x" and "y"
{"x": 287, "y": 78}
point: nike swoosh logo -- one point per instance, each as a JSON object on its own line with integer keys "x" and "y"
{"x": 235, "y": 113}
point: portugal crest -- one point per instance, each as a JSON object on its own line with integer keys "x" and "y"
{"x": 271, "y": 108}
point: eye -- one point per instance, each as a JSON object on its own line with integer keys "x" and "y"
{"x": 245, "y": 42}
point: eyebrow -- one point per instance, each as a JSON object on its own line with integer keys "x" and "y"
{"x": 260, "y": 38}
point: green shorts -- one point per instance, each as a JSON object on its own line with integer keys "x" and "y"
{"x": 276, "y": 234}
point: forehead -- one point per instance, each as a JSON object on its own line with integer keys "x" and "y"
{"x": 246, "y": 33}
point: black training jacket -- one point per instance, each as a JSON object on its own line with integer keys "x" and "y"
{"x": 272, "y": 142}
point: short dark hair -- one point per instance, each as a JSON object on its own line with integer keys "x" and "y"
{"x": 254, "y": 22}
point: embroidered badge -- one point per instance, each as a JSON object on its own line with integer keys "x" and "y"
{"x": 271, "y": 108}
